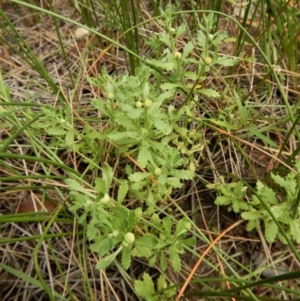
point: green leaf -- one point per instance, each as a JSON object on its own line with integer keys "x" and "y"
{"x": 251, "y": 225}
{"x": 57, "y": 131}
{"x": 163, "y": 127}
{"x": 126, "y": 258}
{"x": 152, "y": 260}
{"x": 121, "y": 218}
{"x": 201, "y": 38}
{"x": 174, "y": 182}
{"x": 163, "y": 261}
{"x": 107, "y": 176}
{"x": 144, "y": 155}
{"x": 167, "y": 224}
{"x": 225, "y": 61}
{"x": 122, "y": 192}
{"x": 75, "y": 186}
{"x": 102, "y": 245}
{"x": 161, "y": 282}
{"x": 183, "y": 174}
{"x": 145, "y": 244}
{"x": 101, "y": 106}
{"x": 138, "y": 176}
{"x": 238, "y": 205}
{"x": 266, "y": 193}
{"x": 168, "y": 66}
{"x": 209, "y": 92}
{"x": 251, "y": 215}
{"x": 222, "y": 201}
{"x": 170, "y": 86}
{"x": 295, "y": 229}
{"x": 189, "y": 242}
{"x": 175, "y": 259}
{"x": 290, "y": 186}
{"x": 187, "y": 49}
{"x": 145, "y": 289}
{"x": 270, "y": 231}
{"x": 92, "y": 229}
{"x": 190, "y": 75}
{"x": 181, "y": 226}
{"x": 125, "y": 138}
{"x": 278, "y": 211}
{"x": 106, "y": 261}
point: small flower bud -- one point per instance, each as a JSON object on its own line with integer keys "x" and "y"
{"x": 177, "y": 55}
{"x": 110, "y": 95}
{"x": 138, "y": 104}
{"x": 208, "y": 60}
{"x": 148, "y": 103}
{"x": 129, "y": 238}
{"x": 157, "y": 171}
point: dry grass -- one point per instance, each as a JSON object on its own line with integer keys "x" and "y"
{"x": 64, "y": 261}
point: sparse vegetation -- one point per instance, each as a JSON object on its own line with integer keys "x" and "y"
{"x": 129, "y": 130}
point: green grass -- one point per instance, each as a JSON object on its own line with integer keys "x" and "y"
{"x": 131, "y": 128}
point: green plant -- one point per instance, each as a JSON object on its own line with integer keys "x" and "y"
{"x": 142, "y": 123}
{"x": 282, "y": 200}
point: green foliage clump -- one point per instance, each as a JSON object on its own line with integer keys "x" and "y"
{"x": 279, "y": 204}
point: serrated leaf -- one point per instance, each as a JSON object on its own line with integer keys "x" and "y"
{"x": 144, "y": 155}
{"x": 271, "y": 230}
{"x": 167, "y": 224}
{"x": 251, "y": 215}
{"x": 145, "y": 289}
{"x": 91, "y": 230}
{"x": 169, "y": 94}
{"x": 101, "y": 106}
{"x": 222, "y": 200}
{"x": 161, "y": 282}
{"x": 268, "y": 195}
{"x": 107, "y": 177}
{"x": 165, "y": 38}
{"x": 289, "y": 186}
{"x": 183, "y": 174}
{"x": 238, "y": 205}
{"x": 145, "y": 245}
{"x": 106, "y": 261}
{"x": 295, "y": 229}
{"x": 121, "y": 218}
{"x": 57, "y": 131}
{"x": 122, "y": 192}
{"x": 187, "y": 49}
{"x": 225, "y": 61}
{"x": 152, "y": 260}
{"x": 125, "y": 137}
{"x": 163, "y": 127}
{"x": 69, "y": 138}
{"x": 126, "y": 258}
{"x": 168, "y": 66}
{"x": 251, "y": 225}
{"x": 190, "y": 75}
{"x": 75, "y": 186}
{"x": 138, "y": 176}
{"x": 278, "y": 211}
{"x": 181, "y": 226}
{"x": 209, "y": 92}
{"x": 201, "y": 39}
{"x": 189, "y": 242}
{"x": 174, "y": 182}
{"x": 163, "y": 261}
{"x": 102, "y": 246}
{"x": 175, "y": 259}
{"x": 169, "y": 86}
